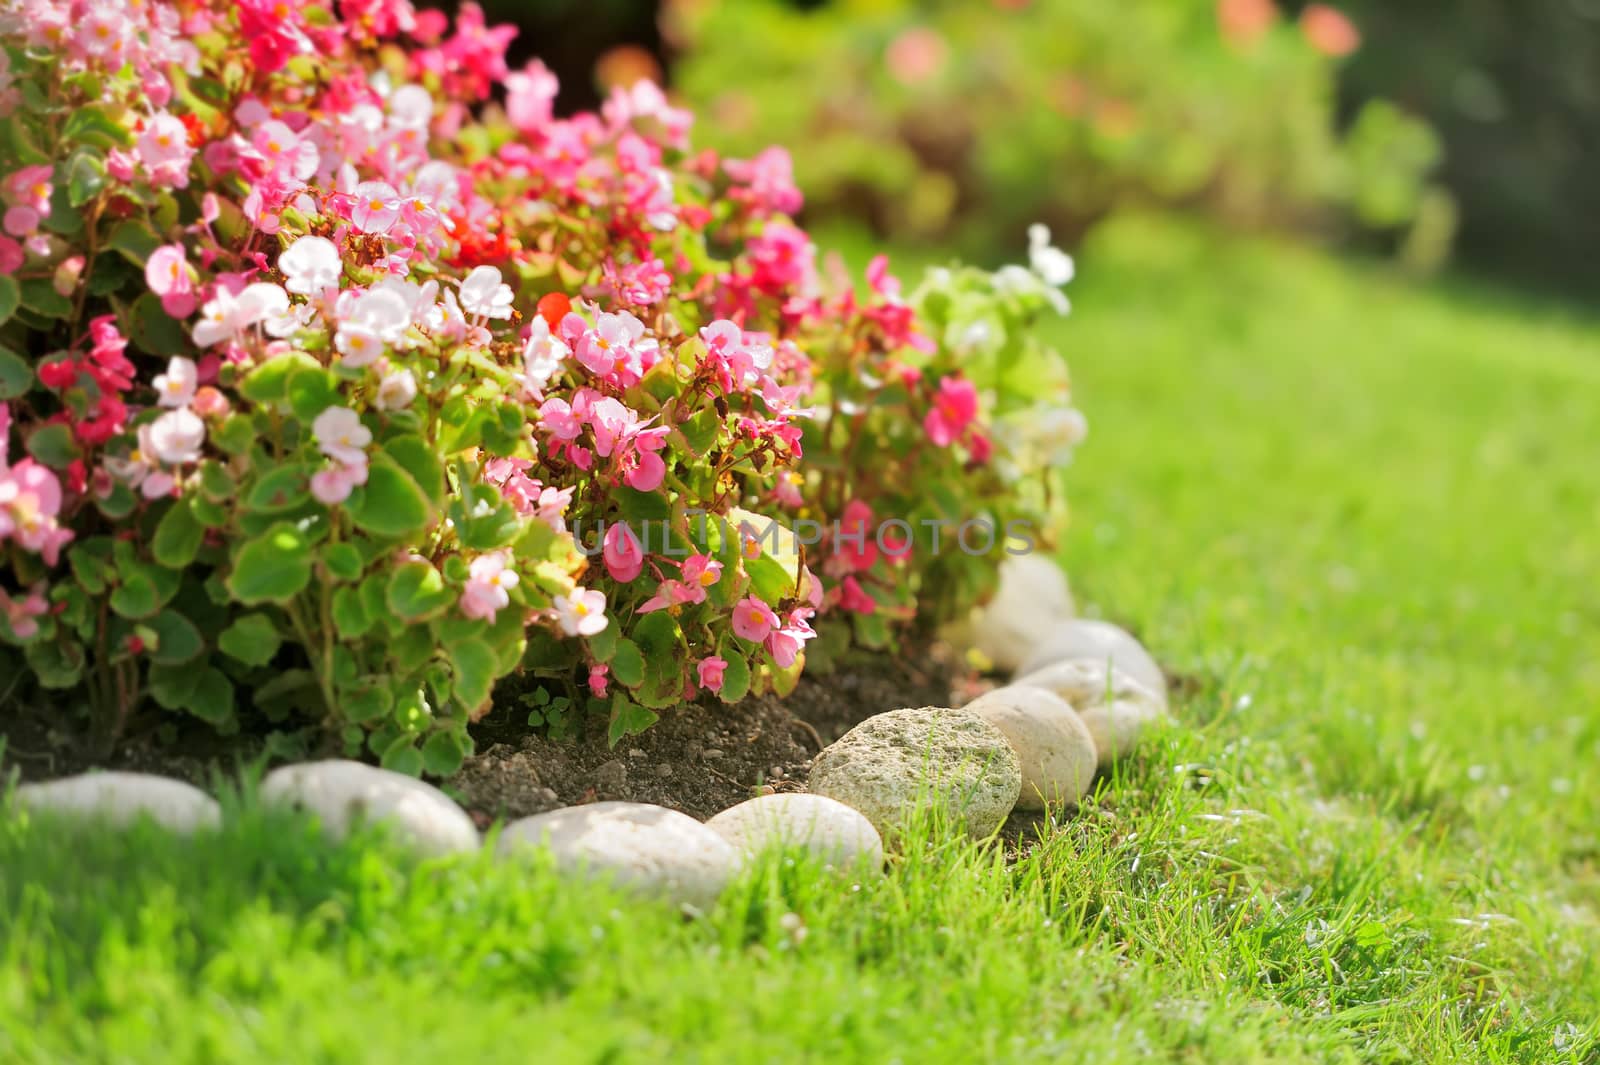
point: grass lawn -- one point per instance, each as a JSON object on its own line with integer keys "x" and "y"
{"x": 1361, "y": 515}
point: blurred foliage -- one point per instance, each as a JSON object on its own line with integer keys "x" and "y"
{"x": 968, "y": 120}
{"x": 1513, "y": 86}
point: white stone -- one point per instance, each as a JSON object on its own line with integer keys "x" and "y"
{"x": 1096, "y": 641}
{"x": 343, "y": 794}
{"x": 1032, "y": 600}
{"x": 952, "y": 758}
{"x": 1117, "y": 709}
{"x": 123, "y": 798}
{"x": 652, "y": 850}
{"x": 1118, "y": 727}
{"x": 835, "y": 833}
{"x": 1052, "y": 743}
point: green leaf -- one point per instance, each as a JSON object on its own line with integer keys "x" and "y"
{"x": 86, "y": 176}
{"x": 444, "y": 752}
{"x": 343, "y": 561}
{"x": 312, "y": 390}
{"x": 351, "y": 618}
{"x": 603, "y": 644}
{"x": 178, "y": 536}
{"x": 40, "y": 296}
{"x": 177, "y": 639}
{"x": 368, "y": 702}
{"x": 16, "y": 376}
{"x": 475, "y": 673}
{"x": 627, "y": 663}
{"x": 137, "y": 596}
{"x": 55, "y": 663}
{"x": 272, "y": 568}
{"x": 91, "y": 125}
{"x": 10, "y": 294}
{"x": 283, "y": 488}
{"x": 403, "y": 757}
{"x": 212, "y": 697}
{"x": 412, "y": 454}
{"x": 390, "y": 504}
{"x": 53, "y": 445}
{"x": 251, "y": 639}
{"x": 736, "y": 678}
{"x": 154, "y": 330}
{"x": 269, "y": 382}
{"x": 417, "y": 592}
{"x": 236, "y": 434}
{"x": 134, "y": 240}
{"x": 628, "y": 718}
{"x": 171, "y": 686}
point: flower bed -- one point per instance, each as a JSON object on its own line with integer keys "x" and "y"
{"x": 339, "y": 379}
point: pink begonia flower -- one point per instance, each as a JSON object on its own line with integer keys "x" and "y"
{"x": 488, "y": 587}
{"x": 371, "y": 320}
{"x": 785, "y": 644}
{"x": 583, "y": 613}
{"x": 397, "y": 390}
{"x": 176, "y": 387}
{"x": 698, "y": 573}
{"x": 11, "y": 256}
{"x": 21, "y": 221}
{"x": 176, "y": 436}
{"x": 753, "y": 620}
{"x": 622, "y": 553}
{"x": 167, "y": 274}
{"x": 530, "y": 97}
{"x": 485, "y": 295}
{"x": 709, "y": 672}
{"x": 22, "y": 614}
{"x": 31, "y": 187}
{"x": 598, "y": 679}
{"x": 609, "y": 344}
{"x": 163, "y": 149}
{"x": 332, "y": 485}
{"x": 311, "y": 266}
{"x": 955, "y": 406}
{"x": 30, "y": 500}
{"x": 769, "y": 181}
{"x": 341, "y": 436}
{"x": 225, "y": 316}
{"x": 558, "y": 419}
{"x": 376, "y": 206}
{"x": 702, "y": 570}
{"x": 610, "y": 422}
{"x": 854, "y": 598}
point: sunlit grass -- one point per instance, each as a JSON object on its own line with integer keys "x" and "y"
{"x": 1359, "y": 515}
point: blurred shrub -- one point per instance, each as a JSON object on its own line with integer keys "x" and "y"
{"x": 970, "y": 119}
{"x": 1512, "y": 87}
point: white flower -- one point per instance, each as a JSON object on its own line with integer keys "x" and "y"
{"x": 1020, "y": 281}
{"x": 1053, "y": 265}
{"x": 312, "y": 266}
{"x": 341, "y": 436}
{"x": 583, "y": 613}
{"x": 484, "y": 295}
{"x": 225, "y": 316}
{"x": 542, "y": 356}
{"x": 397, "y": 391}
{"x": 176, "y": 436}
{"x": 376, "y": 317}
{"x": 1062, "y": 427}
{"x": 176, "y": 387}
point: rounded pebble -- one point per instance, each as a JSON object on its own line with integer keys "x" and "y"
{"x": 953, "y": 758}
{"x": 1117, "y": 709}
{"x": 1096, "y": 641}
{"x": 1033, "y": 598}
{"x": 1053, "y": 745}
{"x": 648, "y": 849}
{"x": 343, "y": 794}
{"x": 834, "y": 832}
{"x": 123, "y": 798}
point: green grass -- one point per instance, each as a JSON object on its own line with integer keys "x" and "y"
{"x": 1359, "y": 514}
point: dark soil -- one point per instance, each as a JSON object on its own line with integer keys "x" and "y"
{"x": 702, "y": 757}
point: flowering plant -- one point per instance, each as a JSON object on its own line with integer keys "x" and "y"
{"x": 332, "y": 391}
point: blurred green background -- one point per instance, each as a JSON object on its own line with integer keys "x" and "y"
{"x": 1426, "y": 131}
